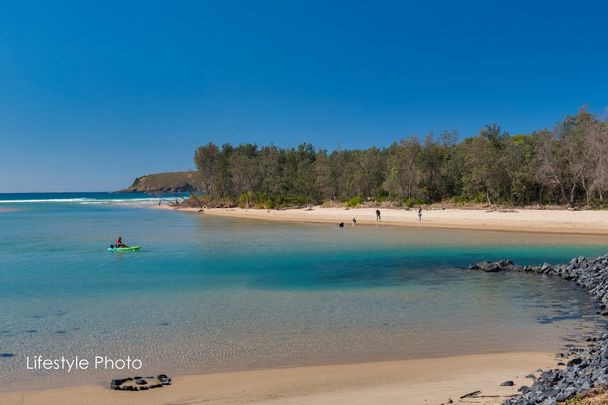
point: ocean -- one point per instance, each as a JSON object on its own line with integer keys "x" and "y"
{"x": 211, "y": 294}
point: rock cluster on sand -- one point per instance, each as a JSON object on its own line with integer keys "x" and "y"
{"x": 587, "y": 366}
{"x": 140, "y": 383}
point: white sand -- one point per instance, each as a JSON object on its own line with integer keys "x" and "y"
{"x": 527, "y": 220}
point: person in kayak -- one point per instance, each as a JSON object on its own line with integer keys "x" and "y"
{"x": 120, "y": 244}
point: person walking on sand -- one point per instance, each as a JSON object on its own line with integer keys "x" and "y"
{"x": 420, "y": 214}
{"x": 378, "y": 219}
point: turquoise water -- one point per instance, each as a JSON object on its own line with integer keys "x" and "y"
{"x": 208, "y": 293}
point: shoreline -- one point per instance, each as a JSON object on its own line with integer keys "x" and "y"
{"x": 414, "y": 381}
{"x": 585, "y": 367}
{"x": 592, "y": 223}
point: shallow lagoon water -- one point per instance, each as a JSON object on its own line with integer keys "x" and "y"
{"x": 208, "y": 294}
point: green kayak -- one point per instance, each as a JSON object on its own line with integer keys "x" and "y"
{"x": 125, "y": 249}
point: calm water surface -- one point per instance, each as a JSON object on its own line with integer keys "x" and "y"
{"x": 207, "y": 294}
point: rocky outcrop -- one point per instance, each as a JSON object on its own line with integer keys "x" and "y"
{"x": 140, "y": 383}
{"x": 173, "y": 182}
{"x": 586, "y": 367}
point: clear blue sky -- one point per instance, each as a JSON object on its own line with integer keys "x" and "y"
{"x": 95, "y": 93}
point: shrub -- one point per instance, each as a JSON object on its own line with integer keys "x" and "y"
{"x": 353, "y": 202}
{"x": 243, "y": 201}
{"x": 382, "y": 197}
{"x": 412, "y": 202}
{"x": 247, "y": 199}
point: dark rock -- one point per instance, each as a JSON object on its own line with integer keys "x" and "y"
{"x": 569, "y": 393}
{"x": 139, "y": 383}
{"x": 116, "y": 383}
{"x": 164, "y": 379}
{"x": 550, "y": 376}
{"x": 508, "y": 383}
{"x": 504, "y": 263}
{"x": 488, "y": 267}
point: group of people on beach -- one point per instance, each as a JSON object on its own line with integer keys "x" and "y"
{"x": 379, "y": 217}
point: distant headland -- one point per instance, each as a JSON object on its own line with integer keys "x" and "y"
{"x": 170, "y": 182}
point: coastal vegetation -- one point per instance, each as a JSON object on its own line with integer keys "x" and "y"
{"x": 567, "y": 164}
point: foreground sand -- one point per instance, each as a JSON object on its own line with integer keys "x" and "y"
{"x": 527, "y": 220}
{"x": 412, "y": 382}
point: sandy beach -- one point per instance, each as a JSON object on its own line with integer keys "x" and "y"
{"x": 521, "y": 220}
{"x": 412, "y": 382}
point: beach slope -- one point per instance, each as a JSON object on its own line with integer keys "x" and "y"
{"x": 415, "y": 381}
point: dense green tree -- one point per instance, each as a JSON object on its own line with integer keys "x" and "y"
{"x": 568, "y": 164}
{"x": 208, "y": 161}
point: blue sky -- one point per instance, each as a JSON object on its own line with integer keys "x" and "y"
{"x": 95, "y": 93}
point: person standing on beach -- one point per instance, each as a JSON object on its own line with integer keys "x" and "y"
{"x": 420, "y": 214}
{"x": 354, "y": 221}
{"x": 378, "y": 219}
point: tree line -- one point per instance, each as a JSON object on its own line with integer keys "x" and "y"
{"x": 567, "y": 164}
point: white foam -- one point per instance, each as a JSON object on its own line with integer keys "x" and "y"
{"x": 83, "y": 201}
{"x": 45, "y": 200}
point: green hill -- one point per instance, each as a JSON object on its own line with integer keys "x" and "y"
{"x": 171, "y": 182}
